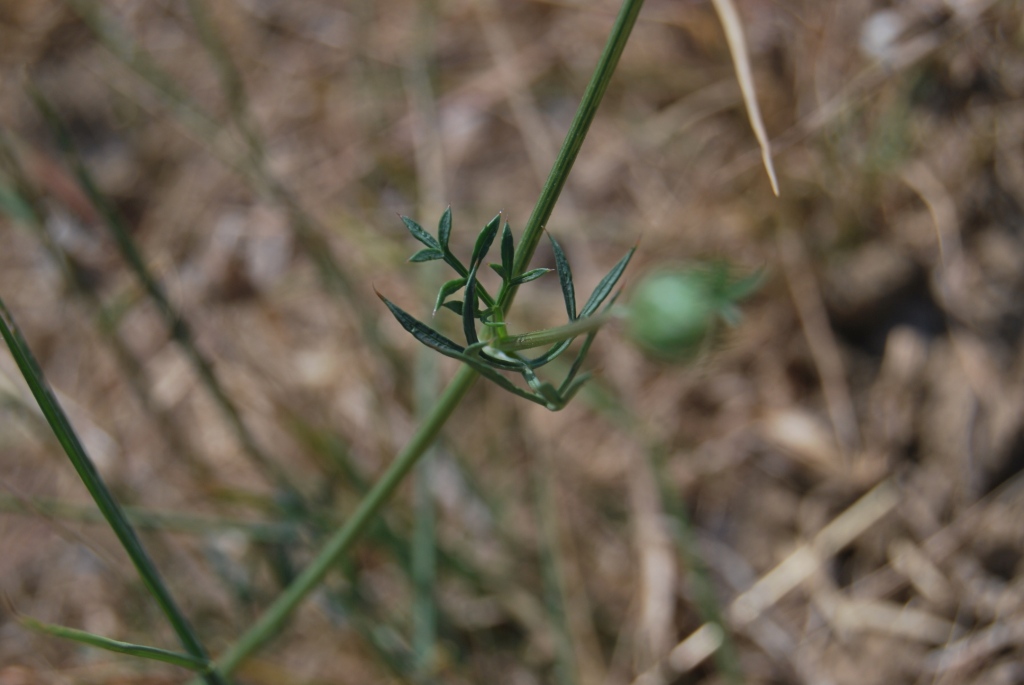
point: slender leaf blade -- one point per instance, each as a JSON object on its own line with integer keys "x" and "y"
{"x": 420, "y": 234}
{"x": 112, "y": 512}
{"x": 484, "y": 240}
{"x": 141, "y": 651}
{"x": 531, "y": 275}
{"x": 421, "y": 331}
{"x": 568, "y": 388}
{"x": 565, "y": 278}
{"x": 606, "y": 285}
{"x": 444, "y": 228}
{"x": 427, "y": 255}
{"x": 500, "y": 270}
{"x": 508, "y": 253}
{"x": 446, "y": 290}
{"x": 469, "y": 309}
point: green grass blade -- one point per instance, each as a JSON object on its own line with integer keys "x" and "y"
{"x": 141, "y": 651}
{"x": 112, "y": 512}
{"x": 230, "y": 78}
{"x": 143, "y": 519}
{"x": 342, "y": 540}
{"x": 177, "y": 326}
{"x": 424, "y": 536}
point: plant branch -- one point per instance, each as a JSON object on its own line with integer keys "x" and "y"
{"x": 276, "y": 615}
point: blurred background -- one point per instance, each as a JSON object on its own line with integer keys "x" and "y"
{"x": 837, "y": 484}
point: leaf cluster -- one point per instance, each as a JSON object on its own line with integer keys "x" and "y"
{"x": 478, "y": 306}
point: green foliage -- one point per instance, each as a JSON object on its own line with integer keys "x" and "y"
{"x": 111, "y": 509}
{"x": 499, "y": 352}
{"x": 188, "y": 661}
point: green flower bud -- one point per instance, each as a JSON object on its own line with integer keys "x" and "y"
{"x": 674, "y": 314}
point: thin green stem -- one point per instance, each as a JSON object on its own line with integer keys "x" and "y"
{"x": 277, "y": 613}
{"x": 101, "y": 494}
{"x": 573, "y": 142}
{"x": 339, "y": 543}
{"x": 548, "y": 336}
{"x": 424, "y": 538}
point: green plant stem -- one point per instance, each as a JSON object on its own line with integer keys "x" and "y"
{"x": 592, "y": 97}
{"x": 277, "y": 613}
{"x": 101, "y": 494}
{"x": 274, "y": 617}
{"x": 528, "y": 341}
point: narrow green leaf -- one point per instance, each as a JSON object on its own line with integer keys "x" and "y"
{"x": 531, "y": 275}
{"x": 568, "y": 387}
{"x": 422, "y": 332}
{"x": 606, "y": 285}
{"x": 484, "y": 240}
{"x": 112, "y": 512}
{"x": 508, "y": 253}
{"x": 142, "y": 651}
{"x": 444, "y": 228}
{"x": 469, "y": 307}
{"x": 577, "y": 363}
{"x": 419, "y": 234}
{"x": 447, "y": 289}
{"x": 498, "y": 269}
{"x": 427, "y": 255}
{"x": 565, "y": 278}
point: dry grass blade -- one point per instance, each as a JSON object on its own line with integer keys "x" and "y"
{"x": 733, "y": 26}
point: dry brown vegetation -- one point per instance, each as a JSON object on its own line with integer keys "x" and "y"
{"x": 846, "y": 466}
